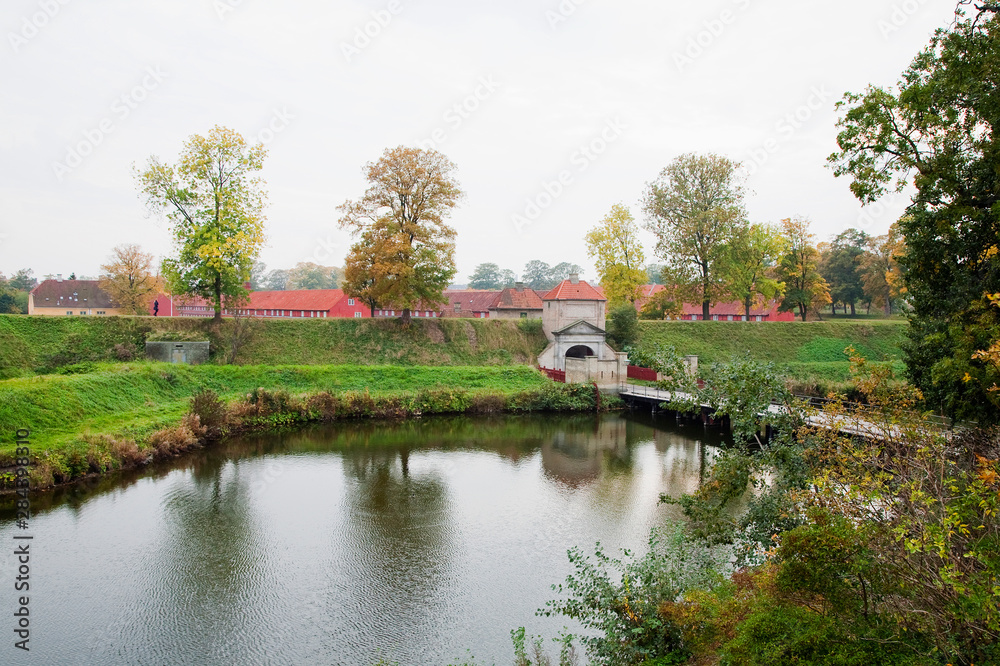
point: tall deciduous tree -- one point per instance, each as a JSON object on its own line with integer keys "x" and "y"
{"x": 130, "y": 280}
{"x": 310, "y": 275}
{"x": 617, "y": 252}
{"x": 404, "y": 247}
{"x": 486, "y": 276}
{"x": 216, "y": 203}
{"x": 753, "y": 255}
{"x": 538, "y": 275}
{"x": 694, "y": 208}
{"x": 879, "y": 269}
{"x": 839, "y": 267}
{"x": 805, "y": 288}
{"x": 936, "y": 131}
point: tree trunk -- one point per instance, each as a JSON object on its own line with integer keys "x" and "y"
{"x": 217, "y": 288}
{"x": 746, "y": 306}
{"x": 888, "y": 308}
{"x": 852, "y": 309}
{"x": 705, "y": 307}
{"x": 803, "y": 309}
{"x": 405, "y": 317}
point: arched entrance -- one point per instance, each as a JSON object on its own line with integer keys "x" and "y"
{"x": 579, "y": 351}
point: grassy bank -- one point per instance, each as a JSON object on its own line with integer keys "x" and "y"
{"x": 110, "y": 416}
{"x": 811, "y": 354}
{"x": 38, "y": 345}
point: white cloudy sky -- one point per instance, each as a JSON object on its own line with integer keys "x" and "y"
{"x": 513, "y": 91}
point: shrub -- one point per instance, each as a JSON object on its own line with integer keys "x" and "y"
{"x": 623, "y": 326}
{"x": 123, "y": 352}
{"x": 168, "y": 442}
{"x": 211, "y": 412}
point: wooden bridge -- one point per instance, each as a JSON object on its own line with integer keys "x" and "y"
{"x": 846, "y": 423}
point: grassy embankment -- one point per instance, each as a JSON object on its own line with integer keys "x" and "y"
{"x": 90, "y": 408}
{"x": 39, "y": 345}
{"x": 126, "y": 414}
{"x": 811, "y": 354}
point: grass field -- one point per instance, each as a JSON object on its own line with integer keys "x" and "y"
{"x": 811, "y": 353}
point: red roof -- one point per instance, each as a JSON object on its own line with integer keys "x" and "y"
{"x": 573, "y": 291}
{"x": 769, "y": 309}
{"x": 468, "y": 300}
{"x": 512, "y": 299}
{"x": 298, "y": 299}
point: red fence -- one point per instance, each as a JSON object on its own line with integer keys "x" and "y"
{"x": 646, "y": 374}
{"x": 554, "y": 375}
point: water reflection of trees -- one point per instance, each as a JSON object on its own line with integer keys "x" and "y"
{"x": 399, "y": 536}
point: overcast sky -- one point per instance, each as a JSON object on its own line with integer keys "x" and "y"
{"x": 553, "y": 111}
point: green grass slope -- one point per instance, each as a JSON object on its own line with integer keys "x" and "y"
{"x": 136, "y": 397}
{"x": 811, "y": 353}
{"x": 37, "y": 345}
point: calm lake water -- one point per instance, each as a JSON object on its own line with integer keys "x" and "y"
{"x": 412, "y": 541}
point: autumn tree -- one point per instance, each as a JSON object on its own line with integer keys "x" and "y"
{"x": 935, "y": 131}
{"x": 879, "y": 269}
{"x": 805, "y": 288}
{"x": 753, "y": 255}
{"x": 694, "y": 208}
{"x": 401, "y": 217}
{"x": 216, "y": 204}
{"x": 130, "y": 279}
{"x": 617, "y": 252}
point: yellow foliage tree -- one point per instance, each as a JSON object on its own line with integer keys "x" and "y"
{"x": 881, "y": 276}
{"x": 805, "y": 288}
{"x": 216, "y": 204}
{"x": 130, "y": 280}
{"x": 617, "y": 252}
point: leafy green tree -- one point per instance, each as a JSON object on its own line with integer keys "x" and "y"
{"x": 258, "y": 275}
{"x": 694, "y": 208}
{"x": 508, "y": 278}
{"x": 563, "y": 270}
{"x": 805, "y": 288}
{"x": 623, "y": 326}
{"x": 8, "y": 303}
{"x": 538, "y": 275}
{"x": 654, "y": 273}
{"x": 486, "y": 276}
{"x": 309, "y": 275}
{"x": 615, "y": 247}
{"x": 275, "y": 280}
{"x": 23, "y": 280}
{"x": 407, "y": 247}
{"x": 839, "y": 267}
{"x": 936, "y": 131}
{"x": 753, "y": 254}
{"x": 216, "y": 204}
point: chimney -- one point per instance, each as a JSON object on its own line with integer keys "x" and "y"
{"x": 519, "y": 286}
{"x": 574, "y": 278}
{"x": 58, "y": 277}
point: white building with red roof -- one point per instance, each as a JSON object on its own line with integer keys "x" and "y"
{"x": 573, "y": 318}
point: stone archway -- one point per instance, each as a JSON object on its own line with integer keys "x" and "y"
{"x": 579, "y": 351}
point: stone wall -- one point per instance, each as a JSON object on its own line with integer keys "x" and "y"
{"x": 191, "y": 353}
